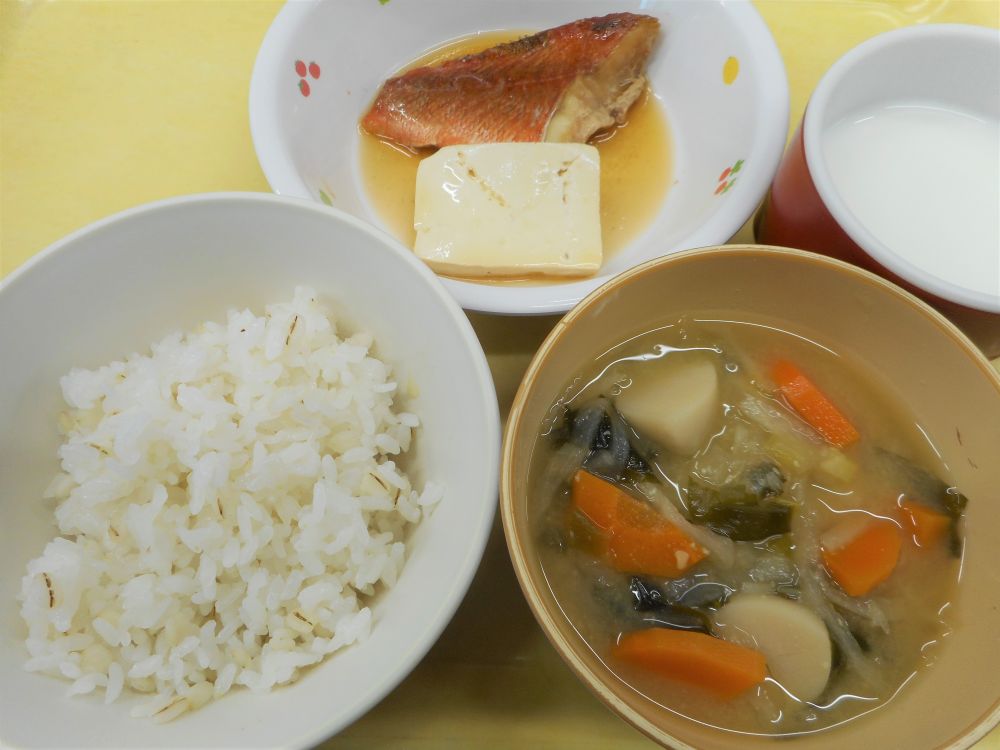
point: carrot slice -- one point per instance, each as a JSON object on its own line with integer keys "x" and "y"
{"x": 637, "y": 538}
{"x": 596, "y": 498}
{"x": 642, "y": 541}
{"x": 866, "y": 559}
{"x": 927, "y": 525}
{"x": 725, "y": 668}
{"x": 812, "y": 405}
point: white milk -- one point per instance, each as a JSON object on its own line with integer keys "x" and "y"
{"x": 926, "y": 182}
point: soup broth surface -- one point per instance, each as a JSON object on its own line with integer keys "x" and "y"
{"x": 897, "y": 627}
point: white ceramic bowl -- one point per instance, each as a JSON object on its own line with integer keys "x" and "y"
{"x": 123, "y": 283}
{"x": 894, "y": 68}
{"x": 308, "y": 145}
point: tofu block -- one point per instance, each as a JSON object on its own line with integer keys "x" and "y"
{"x": 510, "y": 209}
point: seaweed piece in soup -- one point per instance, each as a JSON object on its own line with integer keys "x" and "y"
{"x": 742, "y": 510}
{"x": 747, "y": 523}
{"x": 647, "y": 596}
{"x": 602, "y": 438}
{"x": 697, "y": 591}
{"x": 636, "y": 463}
{"x": 658, "y": 612}
{"x": 676, "y": 617}
{"x": 612, "y": 447}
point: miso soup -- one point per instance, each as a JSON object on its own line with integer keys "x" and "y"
{"x": 745, "y": 526}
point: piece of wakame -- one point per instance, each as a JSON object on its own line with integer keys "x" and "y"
{"x": 602, "y": 438}
{"x": 742, "y": 510}
{"x": 647, "y": 597}
{"x": 658, "y": 612}
{"x": 636, "y": 463}
{"x": 749, "y": 523}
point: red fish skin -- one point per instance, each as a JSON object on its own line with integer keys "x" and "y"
{"x": 504, "y": 94}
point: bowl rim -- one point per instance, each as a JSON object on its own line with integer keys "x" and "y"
{"x": 477, "y": 536}
{"x": 767, "y": 147}
{"x": 812, "y": 126}
{"x": 515, "y": 546}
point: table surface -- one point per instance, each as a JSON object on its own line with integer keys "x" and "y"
{"x": 108, "y": 104}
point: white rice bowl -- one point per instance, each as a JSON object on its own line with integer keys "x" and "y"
{"x": 226, "y": 506}
{"x": 130, "y": 280}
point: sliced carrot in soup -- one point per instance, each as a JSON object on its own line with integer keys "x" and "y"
{"x": 637, "y": 539}
{"x": 725, "y": 668}
{"x": 863, "y": 559}
{"x": 596, "y": 498}
{"x": 640, "y": 540}
{"x": 927, "y": 525}
{"x": 810, "y": 403}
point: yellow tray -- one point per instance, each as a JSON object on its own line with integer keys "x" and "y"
{"x": 105, "y": 105}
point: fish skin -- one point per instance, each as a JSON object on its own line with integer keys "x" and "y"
{"x": 507, "y": 93}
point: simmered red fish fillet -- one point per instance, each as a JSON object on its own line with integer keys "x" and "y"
{"x": 563, "y": 84}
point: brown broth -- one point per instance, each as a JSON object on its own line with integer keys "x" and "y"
{"x": 917, "y": 613}
{"x": 631, "y": 191}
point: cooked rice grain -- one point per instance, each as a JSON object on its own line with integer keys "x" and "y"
{"x": 226, "y": 507}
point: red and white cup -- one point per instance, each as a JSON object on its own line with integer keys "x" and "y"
{"x": 956, "y": 66}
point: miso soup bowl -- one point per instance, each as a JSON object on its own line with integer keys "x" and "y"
{"x": 950, "y": 389}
